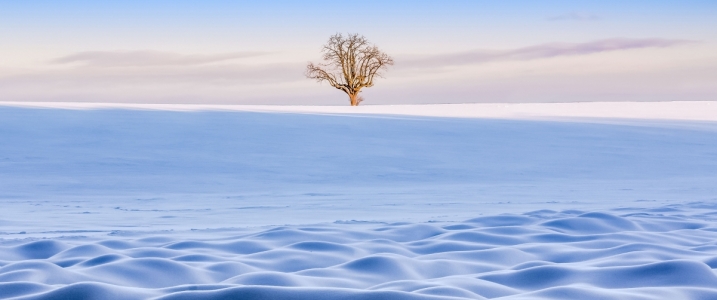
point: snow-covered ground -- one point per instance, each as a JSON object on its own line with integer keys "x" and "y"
{"x": 682, "y": 110}
{"x": 517, "y": 201}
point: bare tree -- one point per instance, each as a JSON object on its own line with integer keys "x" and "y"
{"x": 350, "y": 64}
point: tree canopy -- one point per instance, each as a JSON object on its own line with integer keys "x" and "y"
{"x": 350, "y": 63}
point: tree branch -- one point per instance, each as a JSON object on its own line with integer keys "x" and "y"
{"x": 350, "y": 64}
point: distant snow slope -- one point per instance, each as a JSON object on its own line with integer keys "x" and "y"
{"x": 209, "y": 203}
{"x": 680, "y": 110}
{"x": 109, "y": 169}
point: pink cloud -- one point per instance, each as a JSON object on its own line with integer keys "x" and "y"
{"x": 148, "y": 58}
{"x": 538, "y": 52}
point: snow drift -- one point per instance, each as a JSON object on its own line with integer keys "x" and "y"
{"x": 665, "y": 252}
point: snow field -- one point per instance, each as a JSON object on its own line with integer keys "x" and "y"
{"x": 206, "y": 204}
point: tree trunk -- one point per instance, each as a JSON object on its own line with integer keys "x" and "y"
{"x": 354, "y": 99}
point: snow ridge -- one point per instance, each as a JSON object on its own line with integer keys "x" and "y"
{"x": 668, "y": 110}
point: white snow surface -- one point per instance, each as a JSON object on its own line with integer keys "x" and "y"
{"x": 669, "y": 110}
{"x": 466, "y": 201}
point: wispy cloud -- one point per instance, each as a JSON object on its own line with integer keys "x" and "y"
{"x": 230, "y": 74}
{"x": 575, "y": 16}
{"x": 148, "y": 58}
{"x": 153, "y": 69}
{"x": 222, "y": 82}
{"x": 537, "y": 52}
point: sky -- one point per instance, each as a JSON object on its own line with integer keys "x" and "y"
{"x": 242, "y": 52}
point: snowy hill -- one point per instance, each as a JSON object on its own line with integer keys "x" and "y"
{"x": 464, "y": 201}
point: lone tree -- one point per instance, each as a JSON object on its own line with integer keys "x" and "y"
{"x": 350, "y": 64}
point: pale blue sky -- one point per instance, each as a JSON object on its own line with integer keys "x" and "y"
{"x": 447, "y": 51}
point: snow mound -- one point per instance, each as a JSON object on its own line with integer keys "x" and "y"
{"x": 638, "y": 253}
